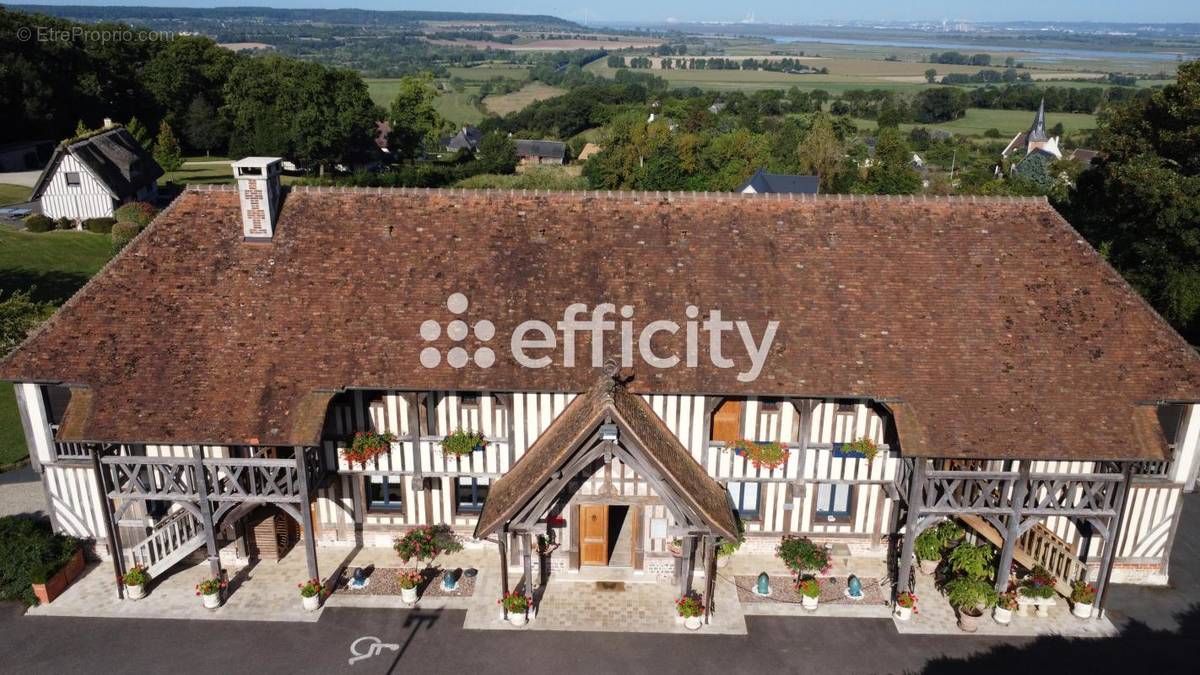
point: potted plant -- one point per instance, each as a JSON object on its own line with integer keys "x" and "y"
{"x": 675, "y": 546}
{"x": 210, "y": 591}
{"x": 802, "y": 556}
{"x": 1083, "y": 595}
{"x": 1005, "y": 604}
{"x": 367, "y": 445}
{"x": 135, "y": 581}
{"x": 690, "y": 608}
{"x": 906, "y": 605}
{"x": 462, "y": 443}
{"x": 409, "y": 580}
{"x": 517, "y": 606}
{"x": 928, "y": 548}
{"x": 764, "y": 454}
{"x": 1038, "y": 589}
{"x": 810, "y": 593}
{"x": 970, "y": 596}
{"x": 862, "y": 447}
{"x": 311, "y": 593}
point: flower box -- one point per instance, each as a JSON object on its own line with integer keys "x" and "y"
{"x": 58, "y": 582}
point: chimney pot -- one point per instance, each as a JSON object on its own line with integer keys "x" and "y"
{"x": 260, "y": 195}
{"x": 108, "y": 123}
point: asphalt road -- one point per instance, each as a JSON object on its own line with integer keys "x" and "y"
{"x": 1160, "y": 634}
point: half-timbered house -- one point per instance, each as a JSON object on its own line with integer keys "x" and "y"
{"x": 93, "y": 175}
{"x": 612, "y": 350}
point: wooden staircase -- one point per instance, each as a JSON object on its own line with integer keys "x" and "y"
{"x": 173, "y": 539}
{"x": 1038, "y": 546}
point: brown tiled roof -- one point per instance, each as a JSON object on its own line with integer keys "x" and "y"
{"x": 988, "y": 324}
{"x": 642, "y": 432}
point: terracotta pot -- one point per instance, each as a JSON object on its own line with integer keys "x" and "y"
{"x": 809, "y": 603}
{"x": 74, "y": 566}
{"x": 408, "y": 595}
{"x": 212, "y": 600}
{"x": 968, "y": 622}
{"x": 1082, "y": 610}
{"x": 310, "y": 604}
{"x": 517, "y": 619}
{"x": 53, "y": 588}
{"x": 135, "y": 592}
{"x": 903, "y": 613}
{"x": 692, "y": 623}
{"x": 1002, "y": 616}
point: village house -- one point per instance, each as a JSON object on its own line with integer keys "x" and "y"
{"x": 541, "y": 152}
{"x": 92, "y": 175}
{"x": 779, "y": 183}
{"x": 618, "y": 364}
{"x": 1034, "y": 141}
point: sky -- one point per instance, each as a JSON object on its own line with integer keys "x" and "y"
{"x": 763, "y": 11}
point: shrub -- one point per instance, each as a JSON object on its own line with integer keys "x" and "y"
{"x": 992, "y": 133}
{"x": 801, "y": 555}
{"x": 30, "y": 552}
{"x": 123, "y": 233}
{"x": 19, "y": 314}
{"x": 972, "y": 561}
{"x": 99, "y": 225}
{"x": 140, "y": 213}
{"x": 39, "y": 223}
{"x": 427, "y": 543}
{"x": 928, "y": 546}
{"x": 64, "y": 223}
{"x": 968, "y": 593}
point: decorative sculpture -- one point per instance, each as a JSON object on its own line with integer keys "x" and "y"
{"x": 764, "y": 584}
{"x": 854, "y": 588}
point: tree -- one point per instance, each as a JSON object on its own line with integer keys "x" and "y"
{"x": 1035, "y": 169}
{"x": 20, "y": 314}
{"x": 1140, "y": 200}
{"x": 931, "y": 75}
{"x": 497, "y": 153}
{"x": 139, "y": 132}
{"x": 82, "y": 129}
{"x": 203, "y": 128}
{"x": 166, "y": 149}
{"x": 413, "y": 117}
{"x": 892, "y": 172}
{"x": 821, "y": 153}
{"x": 943, "y": 104}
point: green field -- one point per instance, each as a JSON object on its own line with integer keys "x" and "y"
{"x": 457, "y": 107}
{"x": 201, "y": 171}
{"x": 13, "y": 194}
{"x": 490, "y": 70}
{"x": 1008, "y": 122}
{"x": 507, "y": 103}
{"x": 54, "y": 265}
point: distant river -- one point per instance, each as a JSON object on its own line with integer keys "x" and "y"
{"x": 1040, "y": 53}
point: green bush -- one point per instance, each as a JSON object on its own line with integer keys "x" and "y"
{"x": 39, "y": 223}
{"x": 99, "y": 225}
{"x": 968, "y": 593}
{"x": 30, "y": 553}
{"x": 801, "y": 555}
{"x": 140, "y": 213}
{"x": 123, "y": 233}
{"x": 64, "y": 223}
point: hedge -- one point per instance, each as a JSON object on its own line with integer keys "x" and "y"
{"x": 39, "y": 223}
{"x": 29, "y": 552}
{"x": 99, "y": 225}
{"x": 140, "y": 213}
{"x": 64, "y": 223}
{"x": 123, "y": 233}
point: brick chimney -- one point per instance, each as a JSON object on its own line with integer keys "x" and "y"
{"x": 258, "y": 190}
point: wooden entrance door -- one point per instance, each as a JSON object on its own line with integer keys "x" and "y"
{"x": 593, "y": 534}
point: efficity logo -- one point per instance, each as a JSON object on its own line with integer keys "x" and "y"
{"x": 536, "y": 344}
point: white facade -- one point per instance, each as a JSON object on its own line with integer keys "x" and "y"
{"x": 75, "y": 192}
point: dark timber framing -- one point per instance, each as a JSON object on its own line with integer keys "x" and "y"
{"x": 210, "y": 489}
{"x": 1012, "y": 500}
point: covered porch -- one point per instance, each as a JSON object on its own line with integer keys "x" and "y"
{"x": 605, "y": 426}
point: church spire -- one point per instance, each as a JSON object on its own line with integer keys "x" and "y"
{"x": 1038, "y": 131}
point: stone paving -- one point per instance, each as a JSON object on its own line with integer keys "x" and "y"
{"x": 936, "y": 616}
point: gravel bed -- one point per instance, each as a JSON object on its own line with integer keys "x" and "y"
{"x": 833, "y": 590}
{"x": 383, "y": 581}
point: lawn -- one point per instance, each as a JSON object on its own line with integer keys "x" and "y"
{"x": 534, "y": 91}
{"x": 1008, "y": 122}
{"x": 457, "y": 107}
{"x": 55, "y": 265}
{"x": 201, "y": 171}
{"x": 13, "y": 194}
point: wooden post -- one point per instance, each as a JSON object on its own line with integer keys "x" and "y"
{"x": 527, "y": 559}
{"x": 710, "y": 574}
{"x": 1012, "y": 531}
{"x": 685, "y": 581}
{"x": 916, "y": 477}
{"x": 1112, "y": 540}
{"x": 306, "y": 521}
{"x": 110, "y": 530}
{"x": 210, "y": 534}
{"x": 504, "y": 567}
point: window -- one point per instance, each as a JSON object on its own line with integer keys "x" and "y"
{"x": 845, "y": 407}
{"x": 770, "y": 405}
{"x": 469, "y": 493}
{"x": 72, "y": 178}
{"x": 834, "y": 500}
{"x": 727, "y": 422}
{"x": 385, "y": 493}
{"x": 745, "y": 499}
{"x": 469, "y": 399}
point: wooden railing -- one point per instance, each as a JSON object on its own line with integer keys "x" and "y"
{"x": 72, "y": 451}
{"x": 1154, "y": 469}
{"x": 173, "y": 538}
{"x": 1050, "y": 551}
